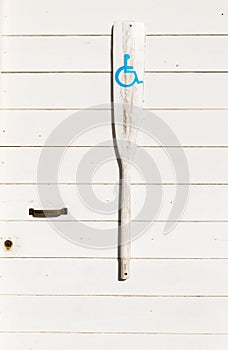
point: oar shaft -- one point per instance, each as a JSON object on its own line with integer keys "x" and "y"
{"x": 128, "y": 75}
{"x": 125, "y": 227}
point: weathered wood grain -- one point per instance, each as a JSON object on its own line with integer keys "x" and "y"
{"x": 128, "y": 54}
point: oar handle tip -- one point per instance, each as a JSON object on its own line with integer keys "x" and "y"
{"x": 124, "y": 271}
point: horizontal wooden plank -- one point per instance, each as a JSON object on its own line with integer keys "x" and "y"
{"x": 56, "y": 341}
{"x": 100, "y": 202}
{"x": 67, "y": 17}
{"x": 40, "y": 54}
{"x": 186, "y": 240}
{"x": 201, "y": 163}
{"x": 114, "y": 314}
{"x": 81, "y": 90}
{"x": 192, "y": 128}
{"x": 56, "y": 53}
{"x": 148, "y": 277}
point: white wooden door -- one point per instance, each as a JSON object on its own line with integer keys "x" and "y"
{"x": 54, "y": 294}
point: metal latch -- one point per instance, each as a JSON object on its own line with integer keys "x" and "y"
{"x": 37, "y": 213}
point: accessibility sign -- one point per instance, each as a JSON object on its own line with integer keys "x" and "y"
{"x": 126, "y": 69}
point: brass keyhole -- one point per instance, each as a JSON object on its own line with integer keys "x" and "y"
{"x": 8, "y": 244}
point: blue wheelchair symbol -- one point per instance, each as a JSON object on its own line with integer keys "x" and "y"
{"x": 127, "y": 70}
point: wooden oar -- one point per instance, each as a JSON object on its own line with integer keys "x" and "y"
{"x": 128, "y": 76}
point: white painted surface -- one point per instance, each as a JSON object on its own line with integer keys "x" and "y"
{"x": 189, "y": 127}
{"x": 191, "y": 240}
{"x": 114, "y": 314}
{"x": 185, "y": 85}
{"x": 200, "y": 160}
{"x": 73, "y": 53}
{"x": 148, "y": 277}
{"x": 19, "y": 198}
{"x": 57, "y": 341}
{"x": 79, "y": 90}
{"x": 68, "y": 17}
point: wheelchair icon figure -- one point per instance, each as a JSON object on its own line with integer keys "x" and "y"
{"x": 127, "y": 70}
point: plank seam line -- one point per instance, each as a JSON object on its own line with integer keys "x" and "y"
{"x": 91, "y": 146}
{"x": 113, "y": 183}
{"x": 111, "y": 258}
{"x": 109, "y": 109}
{"x": 162, "y": 296}
{"x": 109, "y": 72}
{"x": 109, "y": 35}
{"x": 137, "y": 296}
{"x": 114, "y": 333}
{"x": 116, "y": 221}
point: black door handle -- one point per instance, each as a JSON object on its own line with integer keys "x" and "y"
{"x": 53, "y": 213}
